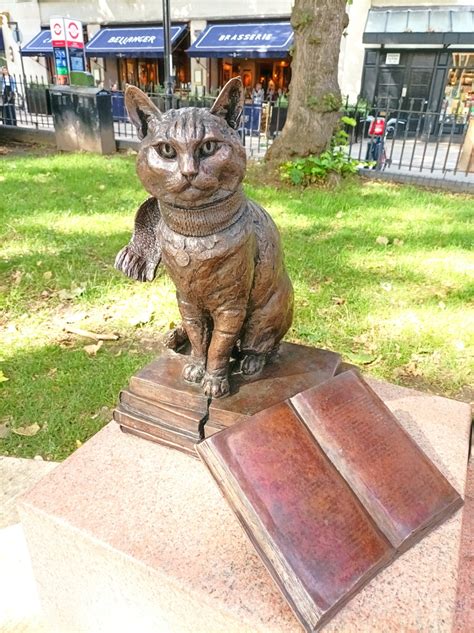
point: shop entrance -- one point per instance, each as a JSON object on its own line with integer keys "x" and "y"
{"x": 416, "y": 82}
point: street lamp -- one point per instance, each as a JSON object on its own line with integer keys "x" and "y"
{"x": 167, "y": 55}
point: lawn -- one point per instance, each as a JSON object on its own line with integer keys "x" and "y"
{"x": 382, "y": 273}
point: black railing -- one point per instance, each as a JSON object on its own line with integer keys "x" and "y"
{"x": 409, "y": 137}
{"x": 397, "y": 136}
{"x": 261, "y": 122}
{"x": 27, "y": 103}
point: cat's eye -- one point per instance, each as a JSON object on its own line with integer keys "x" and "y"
{"x": 165, "y": 150}
{"x": 208, "y": 148}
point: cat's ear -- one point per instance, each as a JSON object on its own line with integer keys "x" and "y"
{"x": 141, "y": 110}
{"x": 230, "y": 102}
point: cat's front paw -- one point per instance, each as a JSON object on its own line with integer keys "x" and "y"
{"x": 194, "y": 372}
{"x": 215, "y": 386}
{"x": 252, "y": 364}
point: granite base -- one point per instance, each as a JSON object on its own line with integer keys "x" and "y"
{"x": 127, "y": 535}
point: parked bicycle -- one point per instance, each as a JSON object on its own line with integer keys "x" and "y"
{"x": 380, "y": 129}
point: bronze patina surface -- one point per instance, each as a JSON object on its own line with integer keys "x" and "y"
{"x": 159, "y": 406}
{"x": 221, "y": 249}
{"x": 330, "y": 489}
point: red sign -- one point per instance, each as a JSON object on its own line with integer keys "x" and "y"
{"x": 58, "y": 37}
{"x": 74, "y": 35}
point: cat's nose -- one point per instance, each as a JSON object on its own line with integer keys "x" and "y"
{"x": 188, "y": 166}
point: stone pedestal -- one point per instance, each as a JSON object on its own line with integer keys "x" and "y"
{"x": 127, "y": 535}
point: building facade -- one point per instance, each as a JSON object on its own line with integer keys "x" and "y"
{"x": 418, "y": 53}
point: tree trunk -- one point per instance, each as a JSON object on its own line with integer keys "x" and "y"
{"x": 315, "y": 98}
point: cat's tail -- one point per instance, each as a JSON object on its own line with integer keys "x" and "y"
{"x": 176, "y": 338}
{"x": 135, "y": 266}
{"x": 141, "y": 257}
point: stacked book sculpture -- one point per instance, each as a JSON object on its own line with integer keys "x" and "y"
{"x": 159, "y": 405}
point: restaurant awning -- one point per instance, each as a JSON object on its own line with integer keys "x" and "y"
{"x": 39, "y": 45}
{"x": 259, "y": 39}
{"x": 420, "y": 25}
{"x": 140, "y": 41}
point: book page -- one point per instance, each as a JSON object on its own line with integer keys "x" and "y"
{"x": 398, "y": 485}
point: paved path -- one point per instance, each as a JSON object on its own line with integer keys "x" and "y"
{"x": 20, "y": 610}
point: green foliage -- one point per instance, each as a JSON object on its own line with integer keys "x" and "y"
{"x": 312, "y": 169}
{"x": 335, "y": 160}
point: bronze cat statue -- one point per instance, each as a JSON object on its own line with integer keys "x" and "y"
{"x": 221, "y": 250}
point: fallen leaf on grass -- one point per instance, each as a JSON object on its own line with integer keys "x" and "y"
{"x": 17, "y": 276}
{"x": 5, "y": 429}
{"x": 92, "y": 350}
{"x": 47, "y": 275}
{"x": 361, "y": 358}
{"x": 68, "y": 295}
{"x": 382, "y": 240}
{"x": 3, "y": 378}
{"x": 411, "y": 369}
{"x": 27, "y": 431}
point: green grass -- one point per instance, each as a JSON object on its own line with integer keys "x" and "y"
{"x": 401, "y": 309}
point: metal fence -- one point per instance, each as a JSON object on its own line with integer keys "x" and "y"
{"x": 28, "y": 105}
{"x": 261, "y": 122}
{"x": 410, "y": 138}
{"x": 392, "y": 136}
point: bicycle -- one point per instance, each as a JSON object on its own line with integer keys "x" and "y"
{"x": 379, "y": 131}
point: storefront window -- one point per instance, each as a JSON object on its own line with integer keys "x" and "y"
{"x": 272, "y": 73}
{"x": 459, "y": 91}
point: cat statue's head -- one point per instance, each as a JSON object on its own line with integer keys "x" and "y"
{"x": 191, "y": 157}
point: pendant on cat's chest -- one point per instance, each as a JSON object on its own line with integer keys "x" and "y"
{"x": 182, "y": 258}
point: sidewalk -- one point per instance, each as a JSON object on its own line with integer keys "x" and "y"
{"x": 20, "y": 610}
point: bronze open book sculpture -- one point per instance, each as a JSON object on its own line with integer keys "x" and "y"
{"x": 221, "y": 250}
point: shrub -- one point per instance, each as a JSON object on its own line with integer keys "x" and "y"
{"x": 335, "y": 160}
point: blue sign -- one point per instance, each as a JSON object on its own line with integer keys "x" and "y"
{"x": 39, "y": 45}
{"x": 252, "y": 116}
{"x": 262, "y": 39}
{"x": 76, "y": 59}
{"x": 60, "y": 61}
{"x": 131, "y": 41}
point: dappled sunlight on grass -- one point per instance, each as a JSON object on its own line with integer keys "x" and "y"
{"x": 382, "y": 274}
